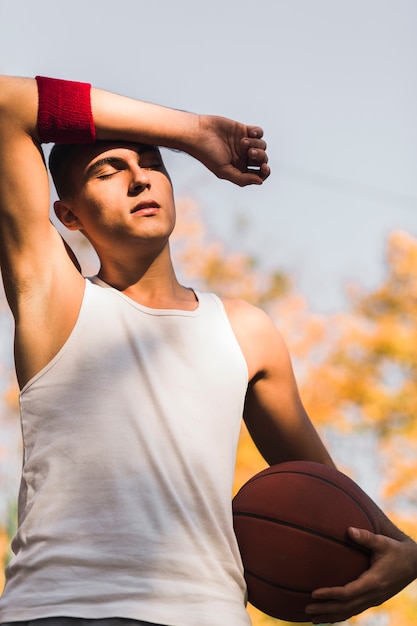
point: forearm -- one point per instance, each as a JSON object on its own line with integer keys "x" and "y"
{"x": 231, "y": 150}
{"x": 228, "y": 148}
{"x": 115, "y": 117}
{"x": 389, "y": 529}
{"x": 121, "y": 118}
{"x": 67, "y": 112}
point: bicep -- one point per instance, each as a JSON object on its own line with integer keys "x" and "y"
{"x": 24, "y": 189}
{"x": 43, "y": 287}
{"x": 24, "y": 185}
{"x": 25, "y": 229}
{"x": 274, "y": 413}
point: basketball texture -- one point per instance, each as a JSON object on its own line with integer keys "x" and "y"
{"x": 291, "y": 524}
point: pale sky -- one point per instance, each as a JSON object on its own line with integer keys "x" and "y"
{"x": 333, "y": 83}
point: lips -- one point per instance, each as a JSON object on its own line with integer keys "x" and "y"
{"x": 146, "y": 207}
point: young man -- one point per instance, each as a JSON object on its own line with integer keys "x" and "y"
{"x": 132, "y": 385}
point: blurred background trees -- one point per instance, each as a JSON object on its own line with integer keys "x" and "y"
{"x": 357, "y": 372}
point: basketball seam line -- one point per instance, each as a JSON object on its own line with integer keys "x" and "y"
{"x": 309, "y": 531}
{"x": 329, "y": 482}
{"x": 277, "y": 585}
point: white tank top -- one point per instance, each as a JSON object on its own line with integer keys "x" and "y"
{"x": 130, "y": 435}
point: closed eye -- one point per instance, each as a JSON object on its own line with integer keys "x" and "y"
{"x": 107, "y": 166}
{"x": 150, "y": 160}
{"x": 108, "y": 174}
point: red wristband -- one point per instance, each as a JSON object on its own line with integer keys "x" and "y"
{"x": 64, "y": 111}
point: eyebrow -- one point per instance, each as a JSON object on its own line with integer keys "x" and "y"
{"x": 103, "y": 161}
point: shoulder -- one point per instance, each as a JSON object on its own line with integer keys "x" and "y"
{"x": 259, "y": 338}
{"x": 249, "y": 318}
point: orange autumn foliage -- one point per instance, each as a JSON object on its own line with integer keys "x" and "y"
{"x": 367, "y": 382}
{"x": 368, "y": 378}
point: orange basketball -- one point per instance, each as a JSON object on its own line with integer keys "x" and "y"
{"x": 291, "y": 524}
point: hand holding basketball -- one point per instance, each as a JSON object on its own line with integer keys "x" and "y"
{"x": 299, "y": 524}
{"x": 291, "y": 523}
{"x": 393, "y": 567}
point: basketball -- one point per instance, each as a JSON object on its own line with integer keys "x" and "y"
{"x": 291, "y": 524}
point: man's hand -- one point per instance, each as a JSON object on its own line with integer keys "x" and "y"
{"x": 393, "y": 567}
{"x": 232, "y": 151}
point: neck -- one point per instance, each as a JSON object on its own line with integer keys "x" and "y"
{"x": 150, "y": 281}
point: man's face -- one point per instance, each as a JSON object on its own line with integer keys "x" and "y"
{"x": 122, "y": 193}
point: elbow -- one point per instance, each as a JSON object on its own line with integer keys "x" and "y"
{"x": 18, "y": 104}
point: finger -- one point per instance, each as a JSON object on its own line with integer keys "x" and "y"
{"x": 329, "y": 612}
{"x": 248, "y": 143}
{"x": 335, "y": 610}
{"x": 261, "y": 171}
{"x": 255, "y": 132}
{"x": 253, "y": 152}
{"x": 246, "y": 177}
{"x": 364, "y": 538}
{"x": 252, "y": 177}
{"x": 356, "y": 588}
{"x": 256, "y": 157}
{"x": 340, "y": 603}
{"x": 264, "y": 171}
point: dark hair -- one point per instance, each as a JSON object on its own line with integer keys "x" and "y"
{"x": 60, "y": 162}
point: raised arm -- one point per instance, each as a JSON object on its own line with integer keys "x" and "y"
{"x": 35, "y": 266}
{"x": 43, "y": 286}
{"x": 231, "y": 150}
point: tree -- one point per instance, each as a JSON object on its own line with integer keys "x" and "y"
{"x": 369, "y": 378}
{"x": 367, "y": 383}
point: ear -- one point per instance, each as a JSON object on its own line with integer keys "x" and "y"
{"x": 66, "y": 215}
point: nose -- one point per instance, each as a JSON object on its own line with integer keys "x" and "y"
{"x": 139, "y": 180}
